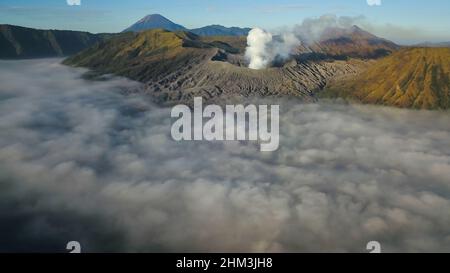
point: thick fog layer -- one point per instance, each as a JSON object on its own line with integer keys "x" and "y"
{"x": 79, "y": 161}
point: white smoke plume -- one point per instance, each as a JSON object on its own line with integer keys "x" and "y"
{"x": 315, "y": 29}
{"x": 257, "y": 53}
{"x": 265, "y": 47}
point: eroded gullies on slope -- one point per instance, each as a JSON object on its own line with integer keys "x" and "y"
{"x": 177, "y": 66}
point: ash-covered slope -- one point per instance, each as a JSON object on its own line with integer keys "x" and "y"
{"x": 214, "y": 80}
{"x": 410, "y": 78}
{"x": 175, "y": 66}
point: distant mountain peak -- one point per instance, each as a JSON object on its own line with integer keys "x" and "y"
{"x": 154, "y": 21}
{"x": 152, "y": 17}
{"x": 157, "y": 21}
{"x": 353, "y": 32}
{"x": 356, "y": 28}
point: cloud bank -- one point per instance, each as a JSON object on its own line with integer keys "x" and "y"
{"x": 79, "y": 161}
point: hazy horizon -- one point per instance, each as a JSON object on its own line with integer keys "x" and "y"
{"x": 394, "y": 20}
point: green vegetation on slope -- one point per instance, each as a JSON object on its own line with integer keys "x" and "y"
{"x": 232, "y": 44}
{"x": 410, "y": 78}
{"x": 148, "y": 55}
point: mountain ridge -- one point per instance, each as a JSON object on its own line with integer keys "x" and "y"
{"x": 177, "y": 66}
{"x": 412, "y": 77}
{"x": 433, "y": 44}
{"x": 353, "y": 42}
{"x": 219, "y": 30}
{"x": 158, "y": 21}
{"x": 18, "y": 42}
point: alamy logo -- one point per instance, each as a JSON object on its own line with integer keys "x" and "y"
{"x": 238, "y": 122}
{"x": 74, "y": 2}
{"x": 74, "y": 247}
{"x": 374, "y": 247}
{"x": 374, "y": 2}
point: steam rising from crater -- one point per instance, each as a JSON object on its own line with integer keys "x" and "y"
{"x": 256, "y": 52}
{"x": 264, "y": 47}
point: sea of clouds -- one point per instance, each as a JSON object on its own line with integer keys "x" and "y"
{"x": 80, "y": 161}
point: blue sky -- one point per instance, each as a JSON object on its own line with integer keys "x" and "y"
{"x": 401, "y": 20}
